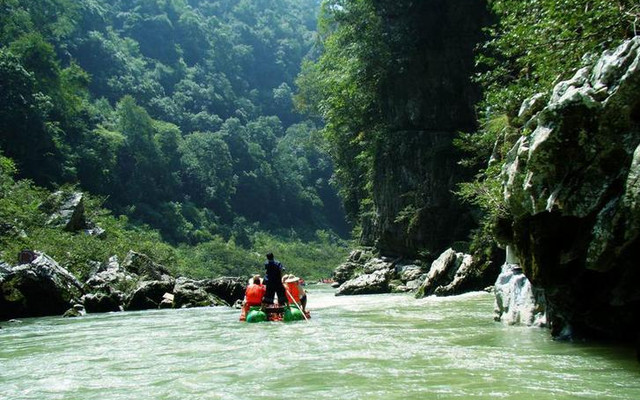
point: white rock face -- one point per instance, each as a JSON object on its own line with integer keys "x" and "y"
{"x": 516, "y": 302}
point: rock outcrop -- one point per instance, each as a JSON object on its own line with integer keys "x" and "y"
{"x": 452, "y": 273}
{"x": 571, "y": 184}
{"x": 42, "y": 288}
{"x": 363, "y": 273}
{"x": 67, "y": 210}
{"x": 374, "y": 280}
{"x": 5, "y": 269}
{"x": 191, "y": 293}
{"x": 517, "y": 301}
{"x": 103, "y": 302}
{"x": 107, "y": 286}
{"x": 144, "y": 267}
{"x": 353, "y": 267}
{"x": 148, "y": 294}
{"x": 228, "y": 289}
{"x": 37, "y": 289}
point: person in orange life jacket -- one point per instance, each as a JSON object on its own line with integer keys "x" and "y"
{"x": 295, "y": 291}
{"x": 252, "y": 295}
{"x": 273, "y": 281}
{"x": 255, "y": 291}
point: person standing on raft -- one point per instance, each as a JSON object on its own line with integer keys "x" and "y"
{"x": 273, "y": 280}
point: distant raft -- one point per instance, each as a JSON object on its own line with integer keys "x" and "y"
{"x": 273, "y": 312}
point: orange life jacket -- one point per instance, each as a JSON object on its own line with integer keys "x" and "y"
{"x": 254, "y": 294}
{"x": 293, "y": 292}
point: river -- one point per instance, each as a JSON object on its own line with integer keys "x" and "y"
{"x": 354, "y": 347}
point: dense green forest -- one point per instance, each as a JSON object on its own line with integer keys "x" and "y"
{"x": 168, "y": 108}
{"x": 175, "y": 114}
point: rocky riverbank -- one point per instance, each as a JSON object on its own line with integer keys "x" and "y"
{"x": 572, "y": 195}
{"x": 39, "y": 286}
{"x": 451, "y": 273}
{"x": 42, "y": 287}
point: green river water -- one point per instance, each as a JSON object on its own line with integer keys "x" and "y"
{"x": 354, "y": 347}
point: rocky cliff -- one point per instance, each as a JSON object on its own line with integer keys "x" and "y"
{"x": 572, "y": 186}
{"x": 428, "y": 99}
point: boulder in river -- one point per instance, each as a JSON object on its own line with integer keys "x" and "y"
{"x": 76, "y": 311}
{"x": 346, "y": 271}
{"x": 148, "y": 294}
{"x": 229, "y": 289}
{"x": 103, "y": 302}
{"x": 353, "y": 267}
{"x": 107, "y": 287}
{"x": 454, "y": 273}
{"x": 517, "y": 301}
{"x": 441, "y": 273}
{"x": 41, "y": 288}
{"x": 191, "y": 293}
{"x": 462, "y": 275}
{"x": 373, "y": 283}
{"x": 110, "y": 277}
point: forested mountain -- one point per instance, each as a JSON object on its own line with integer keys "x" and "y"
{"x": 178, "y": 112}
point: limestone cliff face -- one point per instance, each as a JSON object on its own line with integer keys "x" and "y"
{"x": 429, "y": 98}
{"x": 572, "y": 187}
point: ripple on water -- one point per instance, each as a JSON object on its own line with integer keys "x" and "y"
{"x": 362, "y": 347}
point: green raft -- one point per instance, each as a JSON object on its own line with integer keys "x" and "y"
{"x": 287, "y": 314}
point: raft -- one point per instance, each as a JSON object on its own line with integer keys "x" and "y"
{"x": 273, "y": 312}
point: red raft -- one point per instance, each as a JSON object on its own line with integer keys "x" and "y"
{"x": 273, "y": 312}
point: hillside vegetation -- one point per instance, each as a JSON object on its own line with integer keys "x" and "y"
{"x": 177, "y": 117}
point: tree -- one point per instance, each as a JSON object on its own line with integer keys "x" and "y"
{"x": 343, "y": 87}
{"x": 137, "y": 178}
{"x": 27, "y": 136}
{"x": 208, "y": 170}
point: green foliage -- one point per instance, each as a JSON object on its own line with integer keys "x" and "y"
{"x": 178, "y": 114}
{"x": 25, "y": 226}
{"x": 27, "y": 135}
{"x": 537, "y": 42}
{"x": 208, "y": 168}
{"x": 311, "y": 260}
{"x": 160, "y": 104}
{"x": 342, "y": 87}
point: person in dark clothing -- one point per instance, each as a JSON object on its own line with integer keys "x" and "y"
{"x": 273, "y": 281}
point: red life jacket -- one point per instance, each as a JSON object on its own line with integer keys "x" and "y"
{"x": 293, "y": 292}
{"x": 254, "y": 294}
